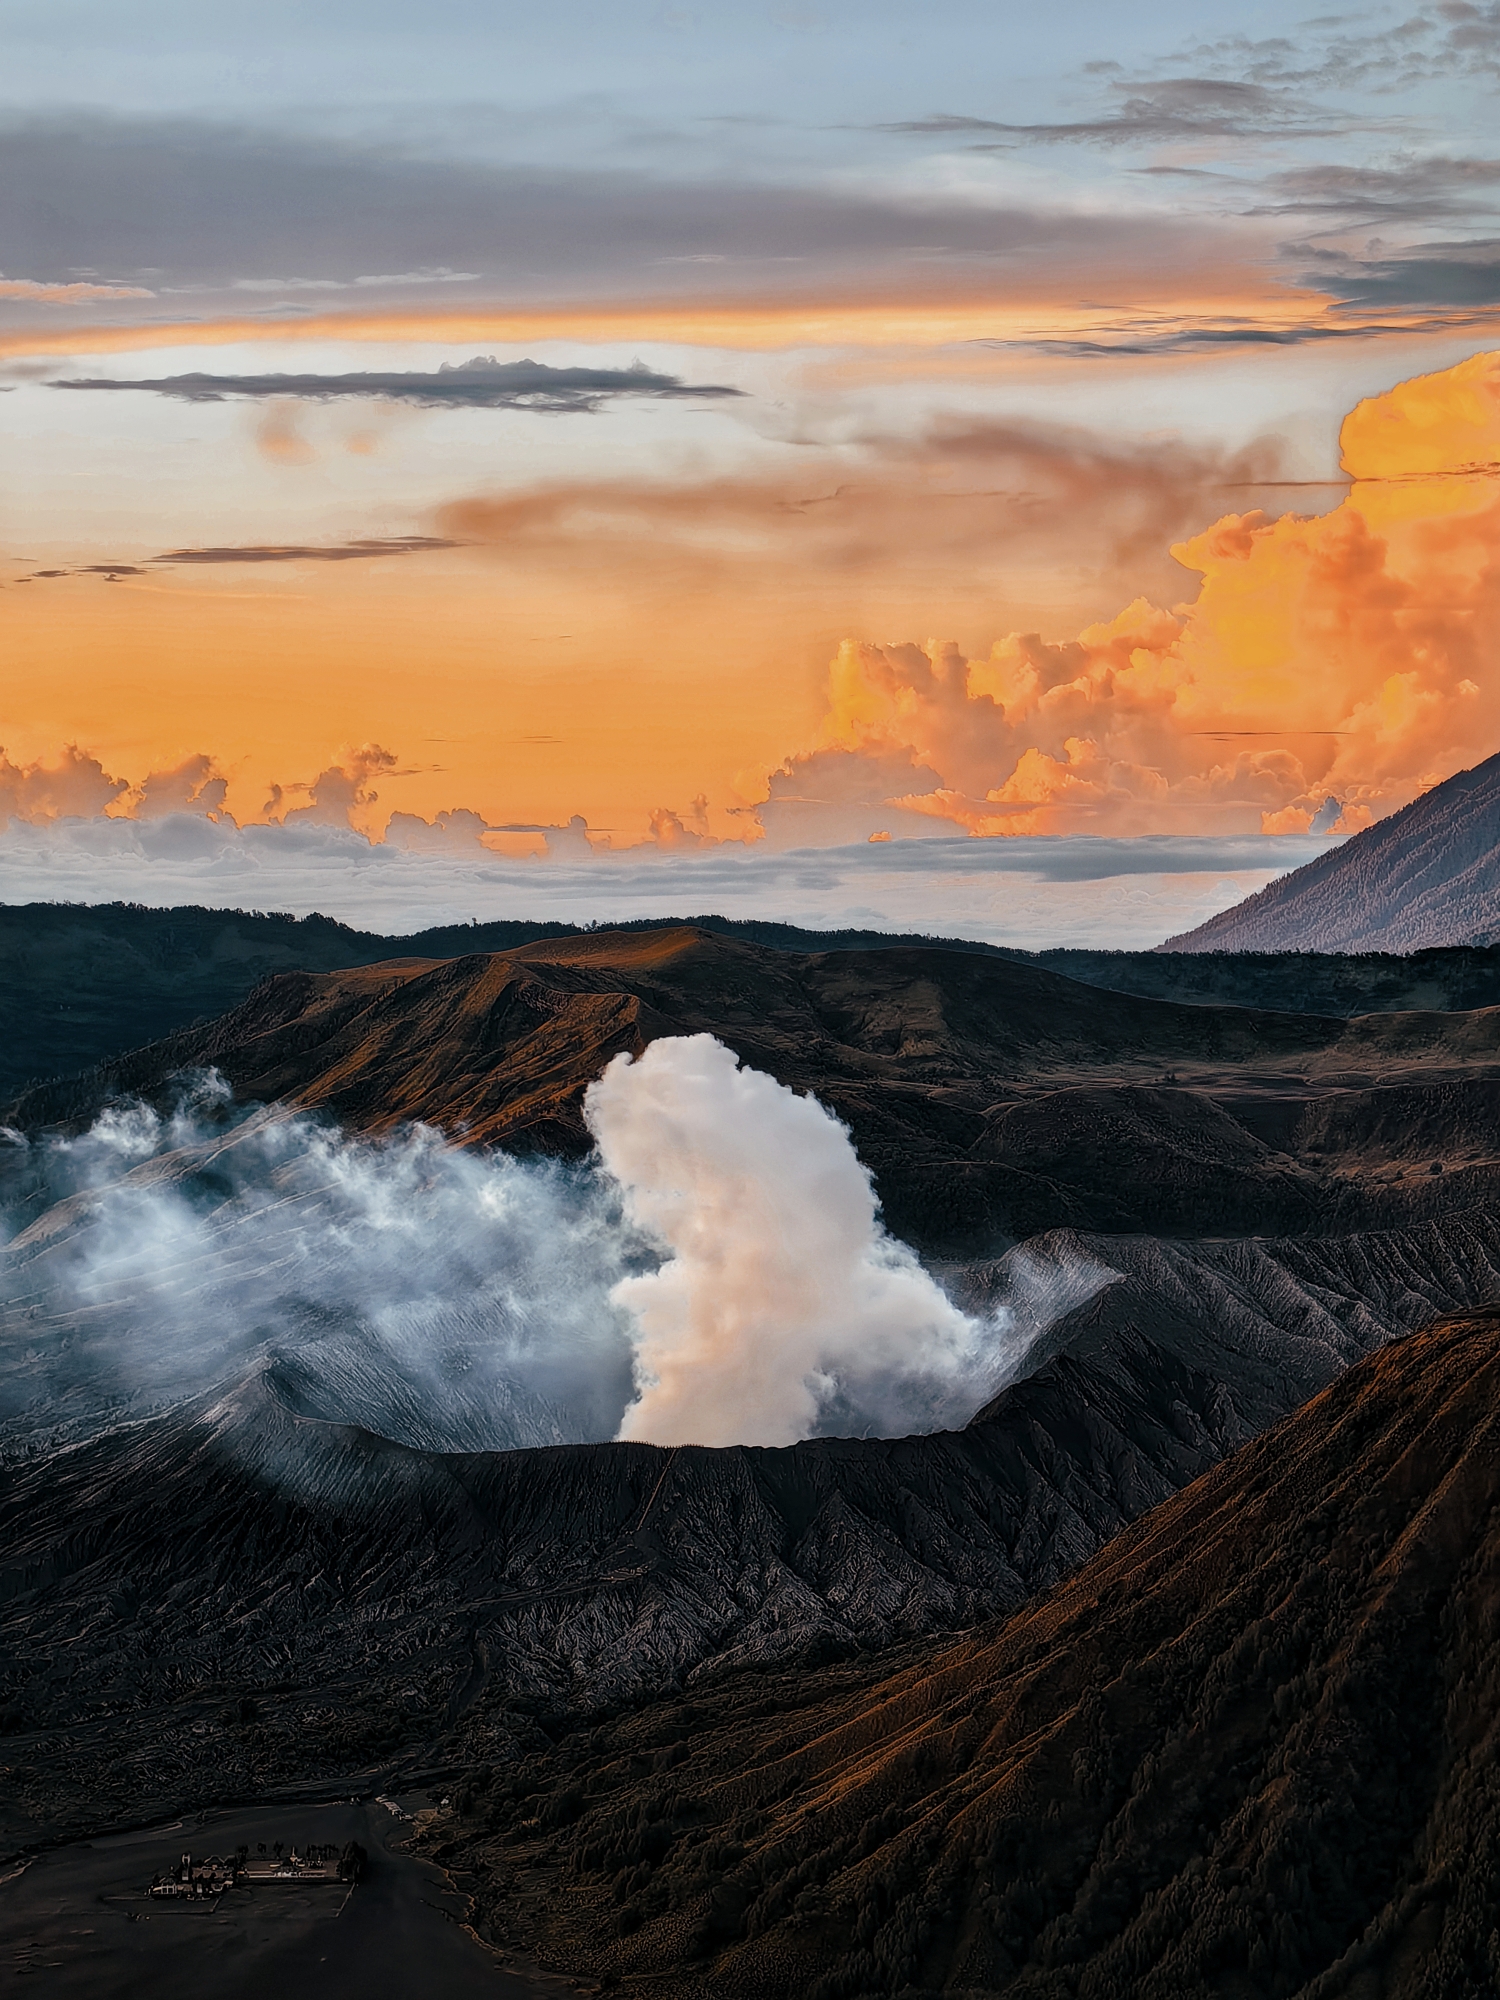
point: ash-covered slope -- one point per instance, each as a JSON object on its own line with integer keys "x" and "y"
{"x": 1249, "y": 1749}
{"x": 83, "y": 984}
{"x": 255, "y": 1588}
{"x": 990, "y": 1099}
{"x": 1427, "y": 876}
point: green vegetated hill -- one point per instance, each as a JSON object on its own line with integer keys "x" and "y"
{"x": 82, "y": 984}
{"x": 1248, "y": 1749}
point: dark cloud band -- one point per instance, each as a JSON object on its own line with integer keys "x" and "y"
{"x": 265, "y": 552}
{"x": 480, "y": 384}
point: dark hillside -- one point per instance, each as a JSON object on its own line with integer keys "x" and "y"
{"x": 81, "y": 985}
{"x": 255, "y": 1588}
{"x": 1250, "y": 1749}
{"x": 990, "y": 1099}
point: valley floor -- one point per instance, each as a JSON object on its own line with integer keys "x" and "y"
{"x": 75, "y": 1923}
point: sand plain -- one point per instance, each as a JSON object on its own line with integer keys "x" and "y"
{"x": 76, "y": 1923}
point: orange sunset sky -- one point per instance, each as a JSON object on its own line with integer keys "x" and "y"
{"x": 665, "y": 430}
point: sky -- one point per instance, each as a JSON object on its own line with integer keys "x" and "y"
{"x": 1019, "y": 472}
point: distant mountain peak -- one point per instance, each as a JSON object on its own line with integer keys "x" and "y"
{"x": 1427, "y": 876}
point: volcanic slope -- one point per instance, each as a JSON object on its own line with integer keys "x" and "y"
{"x": 989, "y": 1099}
{"x": 1250, "y": 1749}
{"x": 81, "y": 984}
{"x": 254, "y": 1590}
{"x": 1427, "y": 876}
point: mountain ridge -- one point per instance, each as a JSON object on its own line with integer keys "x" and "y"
{"x": 1428, "y": 876}
{"x": 83, "y": 984}
{"x": 989, "y": 1099}
{"x": 1246, "y": 1749}
{"x": 261, "y": 1551}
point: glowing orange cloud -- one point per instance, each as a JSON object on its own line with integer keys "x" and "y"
{"x": 1329, "y": 669}
{"x": 643, "y": 652}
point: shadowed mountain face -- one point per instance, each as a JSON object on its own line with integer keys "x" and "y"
{"x": 81, "y": 985}
{"x": 1427, "y": 876}
{"x": 255, "y": 1589}
{"x": 257, "y": 1586}
{"x": 1248, "y": 1749}
{"x": 990, "y": 1099}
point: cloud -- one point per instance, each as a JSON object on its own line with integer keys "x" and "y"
{"x": 194, "y": 786}
{"x": 1341, "y": 657}
{"x": 437, "y": 276}
{"x": 341, "y": 794}
{"x": 481, "y": 384}
{"x": 455, "y": 831}
{"x": 264, "y": 552}
{"x": 1350, "y": 51}
{"x": 207, "y": 209}
{"x": 1409, "y": 188}
{"x": 76, "y": 786}
{"x": 1034, "y": 892}
{"x": 72, "y": 293}
{"x": 962, "y": 505}
{"x": 1139, "y": 334}
{"x": 1431, "y": 275}
{"x": 1179, "y": 107}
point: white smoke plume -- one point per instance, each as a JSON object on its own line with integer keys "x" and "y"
{"x": 447, "y": 1299}
{"x": 782, "y": 1304}
{"x": 717, "y": 1274}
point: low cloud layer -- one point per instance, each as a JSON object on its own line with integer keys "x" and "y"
{"x": 481, "y": 384}
{"x": 1031, "y": 892}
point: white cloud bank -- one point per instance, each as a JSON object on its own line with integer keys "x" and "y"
{"x": 1026, "y": 891}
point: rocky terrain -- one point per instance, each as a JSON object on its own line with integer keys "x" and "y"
{"x": 1428, "y": 876}
{"x": 255, "y": 1588}
{"x": 279, "y": 1579}
{"x": 81, "y": 985}
{"x": 1249, "y": 1748}
{"x": 991, "y": 1100}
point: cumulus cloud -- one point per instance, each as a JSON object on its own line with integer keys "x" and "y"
{"x": 76, "y": 786}
{"x": 481, "y": 384}
{"x": 196, "y": 785}
{"x": 455, "y": 831}
{"x": 1340, "y": 657}
{"x": 340, "y": 794}
{"x": 781, "y": 1298}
